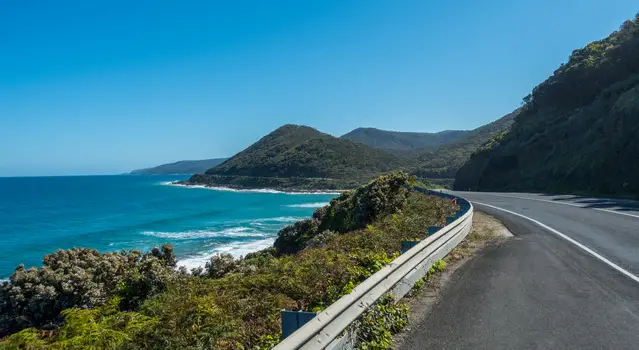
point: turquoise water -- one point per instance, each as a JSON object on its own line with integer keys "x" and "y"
{"x": 41, "y": 214}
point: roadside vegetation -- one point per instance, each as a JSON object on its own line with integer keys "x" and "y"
{"x": 577, "y": 130}
{"x": 128, "y": 300}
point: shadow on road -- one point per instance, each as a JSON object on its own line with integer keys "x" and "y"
{"x": 599, "y": 203}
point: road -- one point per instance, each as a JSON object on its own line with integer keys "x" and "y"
{"x": 568, "y": 280}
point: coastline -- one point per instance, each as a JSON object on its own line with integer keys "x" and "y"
{"x": 255, "y": 190}
{"x": 263, "y": 185}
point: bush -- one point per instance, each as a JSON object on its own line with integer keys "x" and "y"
{"x": 79, "y": 278}
{"x": 377, "y": 325}
{"x": 220, "y": 265}
{"x": 350, "y": 211}
{"x": 99, "y": 328}
{"x": 293, "y": 238}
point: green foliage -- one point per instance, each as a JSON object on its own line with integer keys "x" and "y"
{"x": 419, "y": 285}
{"x": 403, "y": 142}
{"x": 444, "y": 161}
{"x": 100, "y": 328}
{"x": 438, "y": 266}
{"x": 190, "y": 315}
{"x": 579, "y": 132}
{"x": 294, "y": 238}
{"x": 219, "y": 265}
{"x": 377, "y": 325}
{"x": 351, "y": 210}
{"x": 82, "y": 278}
{"x": 435, "y": 156}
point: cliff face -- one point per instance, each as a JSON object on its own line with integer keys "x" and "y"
{"x": 577, "y": 131}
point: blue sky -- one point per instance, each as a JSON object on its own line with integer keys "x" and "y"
{"x": 101, "y": 87}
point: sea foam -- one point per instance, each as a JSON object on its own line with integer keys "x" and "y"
{"x": 237, "y": 249}
{"x": 196, "y": 234}
{"x": 256, "y": 190}
{"x": 309, "y": 205}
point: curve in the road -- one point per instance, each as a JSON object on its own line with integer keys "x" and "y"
{"x": 547, "y": 288}
{"x": 564, "y": 203}
{"x": 581, "y": 246}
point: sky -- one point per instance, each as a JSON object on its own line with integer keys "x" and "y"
{"x": 105, "y": 87}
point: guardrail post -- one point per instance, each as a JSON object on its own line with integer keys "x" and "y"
{"x": 433, "y": 229}
{"x": 294, "y": 320}
{"x": 406, "y": 245}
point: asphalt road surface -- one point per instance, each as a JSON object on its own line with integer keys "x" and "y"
{"x": 569, "y": 279}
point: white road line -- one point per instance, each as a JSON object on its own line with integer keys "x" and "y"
{"x": 583, "y": 247}
{"x": 563, "y": 203}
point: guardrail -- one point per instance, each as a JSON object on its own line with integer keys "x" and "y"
{"x": 326, "y": 330}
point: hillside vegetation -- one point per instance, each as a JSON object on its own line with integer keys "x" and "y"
{"x": 403, "y": 141}
{"x": 435, "y": 156}
{"x": 444, "y": 161}
{"x": 577, "y": 131}
{"x": 305, "y": 156}
{"x": 181, "y": 167}
{"x": 83, "y": 299}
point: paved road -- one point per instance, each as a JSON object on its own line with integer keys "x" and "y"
{"x": 570, "y": 285}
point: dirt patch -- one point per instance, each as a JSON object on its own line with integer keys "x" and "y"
{"x": 486, "y": 231}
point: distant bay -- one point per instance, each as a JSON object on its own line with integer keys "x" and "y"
{"x": 38, "y": 215}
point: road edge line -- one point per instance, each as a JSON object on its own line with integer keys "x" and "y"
{"x": 583, "y": 247}
{"x": 562, "y": 203}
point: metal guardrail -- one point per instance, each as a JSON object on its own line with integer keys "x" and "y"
{"x": 326, "y": 330}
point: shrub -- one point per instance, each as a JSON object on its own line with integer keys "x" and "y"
{"x": 219, "y": 265}
{"x": 350, "y": 211}
{"x": 377, "y": 325}
{"x": 79, "y": 278}
{"x": 293, "y": 238}
{"x": 100, "y": 328}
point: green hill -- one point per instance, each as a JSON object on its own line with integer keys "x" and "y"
{"x": 435, "y": 156}
{"x": 443, "y": 162}
{"x": 181, "y": 167}
{"x": 577, "y": 131}
{"x": 301, "y": 157}
{"x": 403, "y": 141}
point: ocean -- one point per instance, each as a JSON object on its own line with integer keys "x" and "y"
{"x": 39, "y": 215}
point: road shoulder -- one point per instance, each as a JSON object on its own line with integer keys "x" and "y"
{"x": 486, "y": 232}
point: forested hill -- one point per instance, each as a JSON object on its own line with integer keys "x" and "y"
{"x": 403, "y": 141}
{"x": 435, "y": 155}
{"x": 181, "y": 167}
{"x": 444, "y": 161}
{"x": 577, "y": 131}
{"x": 302, "y": 157}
